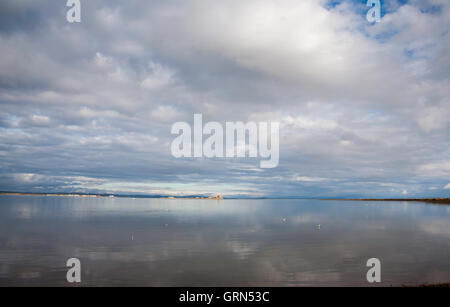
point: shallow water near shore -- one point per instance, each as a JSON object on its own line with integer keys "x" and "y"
{"x": 188, "y": 242}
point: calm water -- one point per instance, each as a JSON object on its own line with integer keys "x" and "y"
{"x": 160, "y": 242}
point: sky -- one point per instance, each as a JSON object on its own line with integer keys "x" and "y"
{"x": 363, "y": 107}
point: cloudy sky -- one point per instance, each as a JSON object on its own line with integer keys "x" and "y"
{"x": 364, "y": 108}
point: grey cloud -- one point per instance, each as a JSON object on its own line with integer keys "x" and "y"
{"x": 364, "y": 110}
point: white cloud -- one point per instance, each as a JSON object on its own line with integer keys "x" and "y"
{"x": 309, "y": 179}
{"x": 354, "y": 99}
{"x": 29, "y": 178}
{"x": 281, "y": 39}
{"x": 434, "y": 118}
{"x": 159, "y": 77}
{"x": 436, "y": 169}
{"x": 40, "y": 119}
{"x": 304, "y": 122}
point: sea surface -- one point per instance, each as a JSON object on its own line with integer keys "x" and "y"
{"x": 186, "y": 242}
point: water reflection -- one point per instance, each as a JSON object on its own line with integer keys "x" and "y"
{"x": 164, "y": 242}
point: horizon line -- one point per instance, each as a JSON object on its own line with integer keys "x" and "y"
{"x": 202, "y": 196}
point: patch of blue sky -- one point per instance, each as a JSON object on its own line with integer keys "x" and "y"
{"x": 419, "y": 53}
{"x": 409, "y": 53}
{"x": 385, "y": 36}
{"x": 432, "y": 9}
{"x": 387, "y": 6}
{"x": 360, "y": 6}
{"x": 425, "y": 7}
{"x": 391, "y": 6}
{"x": 331, "y": 4}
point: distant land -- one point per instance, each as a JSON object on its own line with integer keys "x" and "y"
{"x": 426, "y": 200}
{"x": 220, "y": 197}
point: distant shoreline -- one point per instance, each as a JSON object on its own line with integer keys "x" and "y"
{"x": 219, "y": 197}
{"x": 426, "y": 200}
{"x": 54, "y": 194}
